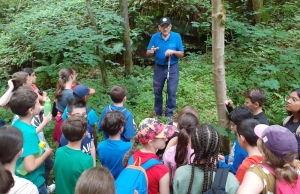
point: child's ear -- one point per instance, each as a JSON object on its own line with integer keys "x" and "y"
{"x": 256, "y": 105}
{"x": 85, "y": 134}
{"x": 124, "y": 99}
{"x": 122, "y": 129}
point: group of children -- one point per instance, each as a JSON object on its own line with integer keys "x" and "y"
{"x": 181, "y": 157}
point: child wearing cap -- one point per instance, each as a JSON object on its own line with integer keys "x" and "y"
{"x": 247, "y": 139}
{"x": 237, "y": 153}
{"x": 69, "y": 161}
{"x": 77, "y": 106}
{"x": 279, "y": 149}
{"x": 152, "y": 135}
{"x": 82, "y": 92}
{"x": 111, "y": 151}
{"x": 118, "y": 96}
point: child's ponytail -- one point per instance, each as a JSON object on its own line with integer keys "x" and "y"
{"x": 6, "y": 180}
{"x": 287, "y": 173}
{"x": 63, "y": 77}
{"x": 131, "y": 151}
{"x": 187, "y": 122}
{"x": 11, "y": 142}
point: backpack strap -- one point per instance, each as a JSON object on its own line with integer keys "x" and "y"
{"x": 286, "y": 120}
{"x": 220, "y": 178}
{"x": 149, "y": 163}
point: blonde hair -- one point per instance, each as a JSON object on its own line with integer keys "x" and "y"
{"x": 283, "y": 166}
{"x": 95, "y": 180}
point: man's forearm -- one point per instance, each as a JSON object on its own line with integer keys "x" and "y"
{"x": 178, "y": 54}
{"x": 149, "y": 53}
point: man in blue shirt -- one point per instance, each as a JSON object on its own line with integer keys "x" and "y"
{"x": 165, "y": 44}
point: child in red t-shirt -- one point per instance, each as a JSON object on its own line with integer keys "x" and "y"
{"x": 42, "y": 96}
{"x": 152, "y": 134}
{"x": 247, "y": 140}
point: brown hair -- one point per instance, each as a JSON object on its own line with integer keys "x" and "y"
{"x": 187, "y": 109}
{"x": 131, "y": 151}
{"x": 74, "y": 128}
{"x": 63, "y": 76}
{"x": 22, "y": 100}
{"x": 95, "y": 180}
{"x": 187, "y": 122}
{"x": 11, "y": 142}
{"x": 18, "y": 79}
{"x": 206, "y": 145}
{"x": 284, "y": 167}
{"x": 113, "y": 122}
{"x": 76, "y": 103}
{"x": 117, "y": 93}
{"x": 256, "y": 95}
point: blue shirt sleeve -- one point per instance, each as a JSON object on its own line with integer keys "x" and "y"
{"x": 92, "y": 117}
{"x": 239, "y": 155}
{"x": 64, "y": 115}
{"x": 129, "y": 131}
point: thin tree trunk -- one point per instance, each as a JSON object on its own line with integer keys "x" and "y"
{"x": 257, "y": 5}
{"x": 218, "y": 29}
{"x": 127, "y": 55}
{"x": 104, "y": 76}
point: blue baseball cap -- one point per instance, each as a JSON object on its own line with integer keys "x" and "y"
{"x": 81, "y": 91}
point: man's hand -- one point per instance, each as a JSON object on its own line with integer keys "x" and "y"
{"x": 153, "y": 49}
{"x": 169, "y": 52}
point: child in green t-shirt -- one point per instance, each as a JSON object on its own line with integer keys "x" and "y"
{"x": 70, "y": 161}
{"x": 24, "y": 103}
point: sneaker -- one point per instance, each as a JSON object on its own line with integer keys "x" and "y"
{"x": 50, "y": 188}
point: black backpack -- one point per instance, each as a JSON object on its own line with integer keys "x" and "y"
{"x": 218, "y": 186}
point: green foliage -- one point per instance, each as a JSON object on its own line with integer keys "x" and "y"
{"x": 265, "y": 56}
{"x": 47, "y": 30}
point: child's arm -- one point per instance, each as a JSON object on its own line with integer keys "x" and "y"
{"x": 95, "y": 135}
{"x": 164, "y": 183}
{"x": 93, "y": 152}
{"x": 31, "y": 163}
{"x": 5, "y": 98}
{"x": 46, "y": 120}
{"x": 228, "y": 104}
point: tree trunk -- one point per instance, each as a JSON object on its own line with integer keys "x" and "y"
{"x": 218, "y": 29}
{"x": 104, "y": 76}
{"x": 127, "y": 55}
{"x": 257, "y": 5}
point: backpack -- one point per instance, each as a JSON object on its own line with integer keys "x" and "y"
{"x": 134, "y": 176}
{"x": 218, "y": 186}
{"x": 283, "y": 187}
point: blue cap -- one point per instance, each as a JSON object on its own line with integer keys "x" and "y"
{"x": 81, "y": 91}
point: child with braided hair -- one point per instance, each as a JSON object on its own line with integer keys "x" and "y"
{"x": 198, "y": 177}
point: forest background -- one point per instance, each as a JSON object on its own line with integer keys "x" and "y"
{"x": 48, "y": 35}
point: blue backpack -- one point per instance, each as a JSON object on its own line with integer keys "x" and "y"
{"x": 134, "y": 176}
